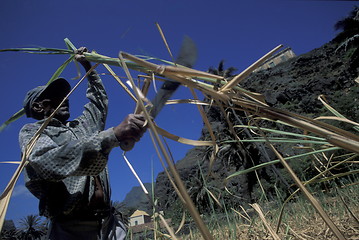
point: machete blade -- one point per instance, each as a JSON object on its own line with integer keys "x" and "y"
{"x": 187, "y": 57}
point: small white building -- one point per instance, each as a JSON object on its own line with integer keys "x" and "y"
{"x": 276, "y": 59}
{"x": 139, "y": 217}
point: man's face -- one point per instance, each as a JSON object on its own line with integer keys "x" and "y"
{"x": 49, "y": 106}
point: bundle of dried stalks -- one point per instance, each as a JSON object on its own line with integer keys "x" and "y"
{"x": 228, "y": 95}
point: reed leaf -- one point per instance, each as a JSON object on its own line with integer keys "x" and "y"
{"x": 169, "y": 229}
{"x": 13, "y": 118}
{"x": 335, "y": 112}
{"x": 70, "y": 45}
{"x": 165, "y": 41}
{"x": 21, "y": 112}
{"x": 279, "y": 132}
{"x": 39, "y": 50}
{"x": 266, "y": 164}
{"x": 182, "y": 189}
{"x": 339, "y": 175}
{"x": 333, "y": 135}
{"x": 280, "y": 140}
{"x": 183, "y": 221}
{"x": 258, "y": 209}
{"x": 311, "y": 181}
{"x": 248, "y": 71}
{"x": 315, "y": 203}
{"x": 12, "y": 162}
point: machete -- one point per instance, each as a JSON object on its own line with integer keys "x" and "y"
{"x": 187, "y": 57}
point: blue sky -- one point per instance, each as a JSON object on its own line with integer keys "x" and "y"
{"x": 237, "y": 31}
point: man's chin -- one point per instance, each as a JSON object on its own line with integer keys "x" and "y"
{"x": 62, "y": 116}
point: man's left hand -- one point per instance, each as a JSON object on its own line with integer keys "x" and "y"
{"x": 80, "y": 57}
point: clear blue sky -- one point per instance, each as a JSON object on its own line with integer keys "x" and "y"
{"x": 238, "y": 31}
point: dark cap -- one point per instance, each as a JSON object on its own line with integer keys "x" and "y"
{"x": 59, "y": 87}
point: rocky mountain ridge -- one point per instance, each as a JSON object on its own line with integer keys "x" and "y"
{"x": 330, "y": 70}
{"x": 294, "y": 86}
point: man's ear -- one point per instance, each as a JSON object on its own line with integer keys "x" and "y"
{"x": 37, "y": 108}
{"x": 38, "y": 111}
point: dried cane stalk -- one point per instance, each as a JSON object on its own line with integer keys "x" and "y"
{"x": 189, "y": 203}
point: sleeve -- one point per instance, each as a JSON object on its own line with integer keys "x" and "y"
{"x": 95, "y": 111}
{"x": 82, "y": 157}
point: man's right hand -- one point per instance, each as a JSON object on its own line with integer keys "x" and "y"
{"x": 132, "y": 128}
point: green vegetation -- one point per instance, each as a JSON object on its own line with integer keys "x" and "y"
{"x": 31, "y": 227}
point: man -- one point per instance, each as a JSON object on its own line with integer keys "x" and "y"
{"x": 67, "y": 168}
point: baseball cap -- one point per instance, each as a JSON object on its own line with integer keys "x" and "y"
{"x": 59, "y": 88}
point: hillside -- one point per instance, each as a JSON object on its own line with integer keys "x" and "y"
{"x": 330, "y": 70}
{"x": 136, "y": 199}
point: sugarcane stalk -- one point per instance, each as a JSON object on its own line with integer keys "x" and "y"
{"x": 167, "y": 70}
{"x": 181, "y": 187}
{"x": 315, "y": 203}
{"x": 248, "y": 71}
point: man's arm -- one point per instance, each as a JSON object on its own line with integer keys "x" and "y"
{"x": 81, "y": 157}
{"x": 95, "y": 111}
{"x": 132, "y": 127}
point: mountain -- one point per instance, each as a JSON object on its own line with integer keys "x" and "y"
{"x": 137, "y": 199}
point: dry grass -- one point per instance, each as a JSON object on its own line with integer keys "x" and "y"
{"x": 301, "y": 221}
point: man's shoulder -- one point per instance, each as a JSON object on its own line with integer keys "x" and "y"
{"x": 30, "y": 127}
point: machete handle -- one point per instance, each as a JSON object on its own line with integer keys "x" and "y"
{"x": 127, "y": 144}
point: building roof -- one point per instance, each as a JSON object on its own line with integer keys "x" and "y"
{"x": 139, "y": 213}
{"x": 287, "y": 49}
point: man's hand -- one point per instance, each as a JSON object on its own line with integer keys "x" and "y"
{"x": 132, "y": 128}
{"x": 80, "y": 57}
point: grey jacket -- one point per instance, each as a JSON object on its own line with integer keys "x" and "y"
{"x": 66, "y": 157}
